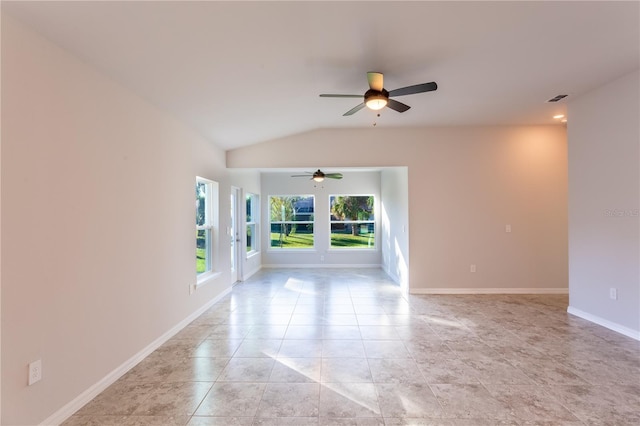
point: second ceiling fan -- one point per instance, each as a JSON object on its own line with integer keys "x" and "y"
{"x": 319, "y": 175}
{"x": 377, "y": 97}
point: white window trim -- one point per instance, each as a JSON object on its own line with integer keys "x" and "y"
{"x": 313, "y": 222}
{"x": 255, "y": 216}
{"x": 207, "y": 278}
{"x": 374, "y": 221}
{"x": 211, "y": 223}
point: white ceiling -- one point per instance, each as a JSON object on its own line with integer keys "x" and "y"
{"x": 245, "y": 72}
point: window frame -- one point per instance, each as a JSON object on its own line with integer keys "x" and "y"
{"x": 307, "y": 222}
{"x": 373, "y": 222}
{"x": 252, "y": 220}
{"x": 210, "y": 224}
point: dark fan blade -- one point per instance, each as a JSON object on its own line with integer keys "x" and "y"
{"x": 354, "y": 110}
{"x": 376, "y": 80}
{"x": 333, "y": 175}
{"x": 325, "y": 95}
{"x": 307, "y": 175}
{"x": 418, "y": 88}
{"x": 397, "y": 106}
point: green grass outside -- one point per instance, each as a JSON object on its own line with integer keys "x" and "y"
{"x": 292, "y": 241}
{"x": 337, "y": 241}
{"x": 349, "y": 241}
{"x": 200, "y": 260}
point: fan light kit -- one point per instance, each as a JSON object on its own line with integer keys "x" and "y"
{"x": 375, "y": 102}
{"x": 377, "y": 97}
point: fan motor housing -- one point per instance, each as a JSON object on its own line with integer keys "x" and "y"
{"x": 375, "y": 94}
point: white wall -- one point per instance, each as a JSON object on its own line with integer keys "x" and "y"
{"x": 97, "y": 224}
{"x": 395, "y": 224}
{"x": 465, "y": 185}
{"x": 353, "y": 183}
{"x": 604, "y": 185}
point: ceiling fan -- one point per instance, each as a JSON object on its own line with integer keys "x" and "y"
{"x": 377, "y": 97}
{"x": 319, "y": 175}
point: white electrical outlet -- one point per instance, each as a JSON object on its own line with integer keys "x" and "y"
{"x": 35, "y": 372}
{"x": 613, "y": 293}
{"x": 472, "y": 268}
{"x": 507, "y": 228}
{"x": 321, "y": 258}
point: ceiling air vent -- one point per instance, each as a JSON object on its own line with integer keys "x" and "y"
{"x": 557, "y": 98}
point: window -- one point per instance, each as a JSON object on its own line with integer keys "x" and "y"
{"x": 206, "y": 208}
{"x": 352, "y": 221}
{"x": 253, "y": 209}
{"x": 291, "y": 221}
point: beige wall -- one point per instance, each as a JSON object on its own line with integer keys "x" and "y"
{"x": 465, "y": 185}
{"x": 604, "y": 203}
{"x": 97, "y": 224}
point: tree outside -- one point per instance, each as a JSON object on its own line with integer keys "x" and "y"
{"x": 291, "y": 221}
{"x": 201, "y": 234}
{"x": 352, "y": 208}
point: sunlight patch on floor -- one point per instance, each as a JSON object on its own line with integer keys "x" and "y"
{"x": 339, "y": 388}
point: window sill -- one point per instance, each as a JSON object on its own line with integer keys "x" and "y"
{"x": 352, "y": 249}
{"x": 252, "y": 253}
{"x": 207, "y": 278}
{"x": 291, "y": 250}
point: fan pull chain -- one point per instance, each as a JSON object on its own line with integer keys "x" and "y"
{"x": 375, "y": 123}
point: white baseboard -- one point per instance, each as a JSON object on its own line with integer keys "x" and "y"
{"x": 323, "y": 265}
{"x": 69, "y": 409}
{"x": 488, "y": 291}
{"x": 251, "y": 273}
{"x": 629, "y": 332}
{"x": 394, "y": 277}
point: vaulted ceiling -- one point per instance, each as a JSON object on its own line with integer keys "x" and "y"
{"x": 246, "y": 72}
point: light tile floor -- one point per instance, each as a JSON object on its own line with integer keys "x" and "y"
{"x": 342, "y": 347}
